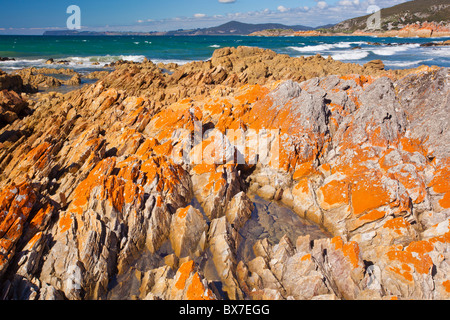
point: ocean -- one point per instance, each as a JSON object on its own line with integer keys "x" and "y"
{"x": 92, "y": 53}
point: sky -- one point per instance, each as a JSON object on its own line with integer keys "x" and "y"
{"x": 37, "y": 16}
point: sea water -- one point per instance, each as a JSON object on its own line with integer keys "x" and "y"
{"x": 91, "y": 53}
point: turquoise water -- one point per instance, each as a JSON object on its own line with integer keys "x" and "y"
{"x": 82, "y": 52}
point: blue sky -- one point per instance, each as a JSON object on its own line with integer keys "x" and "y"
{"x": 34, "y": 16}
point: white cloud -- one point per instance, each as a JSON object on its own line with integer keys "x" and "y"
{"x": 348, "y": 2}
{"x": 305, "y": 15}
{"x": 282, "y": 9}
{"x": 322, "y": 4}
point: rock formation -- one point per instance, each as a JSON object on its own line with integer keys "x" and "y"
{"x": 137, "y": 186}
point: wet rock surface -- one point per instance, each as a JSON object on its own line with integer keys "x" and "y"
{"x": 273, "y": 221}
{"x": 108, "y": 193}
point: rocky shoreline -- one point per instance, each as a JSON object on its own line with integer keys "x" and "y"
{"x": 111, "y": 186}
{"x": 418, "y": 30}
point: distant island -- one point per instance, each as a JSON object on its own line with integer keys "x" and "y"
{"x": 230, "y": 28}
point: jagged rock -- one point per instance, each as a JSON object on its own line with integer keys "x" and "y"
{"x": 186, "y": 232}
{"x": 107, "y": 174}
{"x": 34, "y": 80}
{"x": 74, "y": 81}
{"x": 376, "y": 65}
{"x": 17, "y": 202}
{"x": 10, "y": 82}
{"x": 11, "y": 106}
{"x": 97, "y": 75}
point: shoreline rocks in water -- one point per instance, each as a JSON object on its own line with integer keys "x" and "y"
{"x": 103, "y": 185}
{"x": 436, "y": 44}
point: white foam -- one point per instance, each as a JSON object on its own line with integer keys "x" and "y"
{"x": 103, "y": 60}
{"x": 326, "y": 46}
{"x": 405, "y": 63}
{"x": 440, "y": 52}
{"x": 320, "y": 47}
{"x": 21, "y": 63}
{"x": 350, "y": 55}
{"x": 215, "y": 46}
{"x": 390, "y": 51}
{"x": 73, "y": 62}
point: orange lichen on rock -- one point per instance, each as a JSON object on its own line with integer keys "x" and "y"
{"x": 385, "y": 162}
{"x": 413, "y": 145}
{"x": 338, "y": 243}
{"x": 37, "y": 157}
{"x": 372, "y": 216}
{"x": 150, "y": 168}
{"x": 183, "y": 212}
{"x": 35, "y": 238}
{"x": 204, "y": 168}
{"x": 359, "y": 79}
{"x": 114, "y": 191}
{"x": 420, "y": 247}
{"x": 306, "y": 257}
{"x": 334, "y": 194}
{"x": 164, "y": 149}
{"x": 16, "y": 203}
{"x": 441, "y": 184}
{"x": 171, "y": 174}
{"x": 197, "y": 291}
{"x": 35, "y": 154}
{"x": 397, "y": 225}
{"x": 303, "y": 186}
{"x": 97, "y": 177}
{"x": 183, "y": 274}
{"x": 377, "y": 139}
{"x": 305, "y": 169}
{"x": 17, "y": 207}
{"x": 416, "y": 254}
{"x": 38, "y": 220}
{"x": 354, "y": 162}
{"x": 217, "y": 180}
{"x": 352, "y": 252}
{"x": 369, "y": 217}
{"x": 413, "y": 183}
{"x": 368, "y": 193}
{"x": 405, "y": 272}
{"x": 175, "y": 117}
{"x": 446, "y": 285}
{"x": 445, "y": 201}
{"x": 146, "y": 148}
{"x": 65, "y": 221}
{"x": 445, "y": 238}
{"x": 253, "y": 93}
